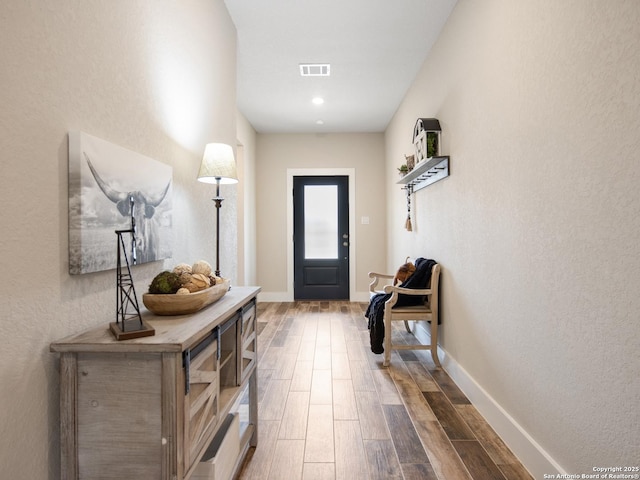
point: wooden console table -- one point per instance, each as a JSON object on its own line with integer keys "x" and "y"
{"x": 148, "y": 408}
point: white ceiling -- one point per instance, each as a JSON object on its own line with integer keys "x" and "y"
{"x": 375, "y": 48}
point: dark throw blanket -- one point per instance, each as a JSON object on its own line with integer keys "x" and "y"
{"x": 375, "y": 310}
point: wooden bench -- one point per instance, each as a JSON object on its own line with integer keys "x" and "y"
{"x": 427, "y": 311}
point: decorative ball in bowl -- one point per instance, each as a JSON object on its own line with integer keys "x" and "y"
{"x": 186, "y": 289}
{"x": 183, "y": 304}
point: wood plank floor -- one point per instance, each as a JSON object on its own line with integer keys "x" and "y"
{"x": 328, "y": 410}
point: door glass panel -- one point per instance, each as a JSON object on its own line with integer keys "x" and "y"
{"x": 320, "y": 221}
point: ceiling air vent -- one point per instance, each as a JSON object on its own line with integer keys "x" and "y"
{"x": 315, "y": 69}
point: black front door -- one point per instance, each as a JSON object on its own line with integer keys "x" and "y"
{"x": 321, "y": 237}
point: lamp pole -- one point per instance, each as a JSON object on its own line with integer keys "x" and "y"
{"x": 218, "y": 201}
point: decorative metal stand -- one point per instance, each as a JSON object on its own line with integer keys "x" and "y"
{"x": 129, "y": 323}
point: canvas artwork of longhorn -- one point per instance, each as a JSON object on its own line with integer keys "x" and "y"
{"x": 105, "y": 181}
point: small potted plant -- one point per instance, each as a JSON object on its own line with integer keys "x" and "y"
{"x": 403, "y": 169}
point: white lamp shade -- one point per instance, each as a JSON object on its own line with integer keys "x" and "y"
{"x": 218, "y": 163}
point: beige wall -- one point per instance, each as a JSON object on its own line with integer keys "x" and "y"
{"x": 246, "y": 161}
{"x": 278, "y": 152}
{"x": 537, "y": 227}
{"x": 155, "y": 77}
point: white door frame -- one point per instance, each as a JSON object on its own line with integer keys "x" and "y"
{"x": 306, "y": 172}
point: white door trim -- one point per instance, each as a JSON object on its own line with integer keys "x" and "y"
{"x": 302, "y": 172}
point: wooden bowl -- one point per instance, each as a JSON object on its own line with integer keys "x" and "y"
{"x": 184, "y": 304}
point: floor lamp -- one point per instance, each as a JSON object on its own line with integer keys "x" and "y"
{"x": 218, "y": 166}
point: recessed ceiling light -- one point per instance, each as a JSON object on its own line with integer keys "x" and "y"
{"x": 315, "y": 69}
{"x": 320, "y": 122}
{"x": 318, "y": 100}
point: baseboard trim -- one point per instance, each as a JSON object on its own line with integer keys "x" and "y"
{"x": 520, "y": 442}
{"x": 286, "y": 297}
{"x": 274, "y": 297}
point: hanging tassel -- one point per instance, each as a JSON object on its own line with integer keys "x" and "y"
{"x": 407, "y": 224}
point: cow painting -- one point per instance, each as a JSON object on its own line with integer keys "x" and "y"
{"x": 111, "y": 188}
{"x": 140, "y": 207}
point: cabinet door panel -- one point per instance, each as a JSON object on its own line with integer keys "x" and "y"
{"x": 201, "y": 401}
{"x": 249, "y": 340}
{"x": 119, "y": 416}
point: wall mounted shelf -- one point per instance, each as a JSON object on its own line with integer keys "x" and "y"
{"x": 428, "y": 171}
